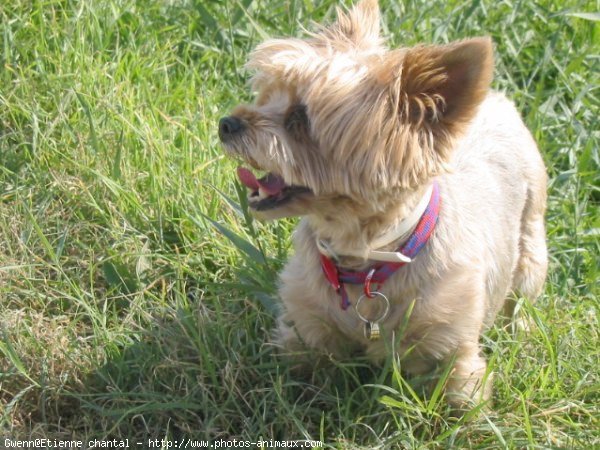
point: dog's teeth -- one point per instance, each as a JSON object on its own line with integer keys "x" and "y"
{"x": 258, "y": 195}
{"x": 261, "y": 193}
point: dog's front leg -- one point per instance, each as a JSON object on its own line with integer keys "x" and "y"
{"x": 302, "y": 331}
{"x": 469, "y": 382}
{"x": 447, "y": 322}
{"x": 305, "y": 321}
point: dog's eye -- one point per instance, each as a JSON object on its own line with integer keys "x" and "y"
{"x": 296, "y": 122}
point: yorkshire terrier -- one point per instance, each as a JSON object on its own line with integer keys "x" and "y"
{"x": 421, "y": 190}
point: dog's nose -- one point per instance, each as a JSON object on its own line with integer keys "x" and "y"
{"x": 228, "y": 126}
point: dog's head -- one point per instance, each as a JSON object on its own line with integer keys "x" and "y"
{"x": 339, "y": 117}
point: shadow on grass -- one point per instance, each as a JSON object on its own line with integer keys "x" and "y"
{"x": 191, "y": 375}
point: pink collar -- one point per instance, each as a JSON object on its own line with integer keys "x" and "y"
{"x": 380, "y": 272}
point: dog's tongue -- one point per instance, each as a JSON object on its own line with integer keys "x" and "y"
{"x": 272, "y": 184}
{"x": 247, "y": 178}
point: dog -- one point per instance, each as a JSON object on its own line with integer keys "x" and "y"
{"x": 421, "y": 191}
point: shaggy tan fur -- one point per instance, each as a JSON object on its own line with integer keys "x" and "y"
{"x": 368, "y": 129}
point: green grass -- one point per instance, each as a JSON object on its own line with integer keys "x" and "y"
{"x": 137, "y": 298}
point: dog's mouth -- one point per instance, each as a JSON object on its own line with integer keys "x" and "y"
{"x": 270, "y": 191}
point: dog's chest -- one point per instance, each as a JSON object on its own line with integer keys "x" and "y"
{"x": 360, "y": 320}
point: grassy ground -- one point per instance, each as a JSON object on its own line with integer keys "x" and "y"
{"x": 137, "y": 298}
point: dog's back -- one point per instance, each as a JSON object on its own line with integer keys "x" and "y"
{"x": 500, "y": 178}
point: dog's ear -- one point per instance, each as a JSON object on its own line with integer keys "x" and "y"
{"x": 429, "y": 94}
{"x": 442, "y": 85}
{"x": 357, "y": 28}
{"x": 294, "y": 60}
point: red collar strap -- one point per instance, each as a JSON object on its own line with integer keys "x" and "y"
{"x": 380, "y": 272}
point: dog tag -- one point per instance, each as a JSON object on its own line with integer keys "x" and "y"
{"x": 372, "y": 331}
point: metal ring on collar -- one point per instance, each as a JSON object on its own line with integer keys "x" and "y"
{"x": 385, "y": 311}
